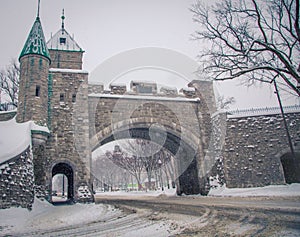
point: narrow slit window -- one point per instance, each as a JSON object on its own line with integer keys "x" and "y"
{"x": 37, "y": 91}
{"x": 62, "y": 97}
{"x": 73, "y": 98}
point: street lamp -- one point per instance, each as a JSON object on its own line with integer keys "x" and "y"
{"x": 283, "y": 117}
{"x": 160, "y": 174}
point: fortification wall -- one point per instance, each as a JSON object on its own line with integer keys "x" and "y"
{"x": 17, "y": 181}
{"x": 253, "y": 147}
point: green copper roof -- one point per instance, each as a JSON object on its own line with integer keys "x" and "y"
{"x": 36, "y": 43}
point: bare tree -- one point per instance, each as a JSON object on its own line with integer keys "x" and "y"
{"x": 106, "y": 172}
{"x": 153, "y": 156}
{"x": 224, "y": 103}
{"x": 139, "y": 155}
{"x": 148, "y": 152}
{"x": 9, "y": 85}
{"x": 168, "y": 167}
{"x": 255, "y": 40}
{"x": 133, "y": 164}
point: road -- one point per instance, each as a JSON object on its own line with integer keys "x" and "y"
{"x": 215, "y": 216}
{"x": 146, "y": 216}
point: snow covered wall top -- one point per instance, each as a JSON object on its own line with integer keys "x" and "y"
{"x": 16, "y": 137}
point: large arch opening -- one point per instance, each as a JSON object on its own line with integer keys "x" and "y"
{"x": 185, "y": 155}
{"x": 291, "y": 167}
{"x": 133, "y": 165}
{"x": 64, "y": 173}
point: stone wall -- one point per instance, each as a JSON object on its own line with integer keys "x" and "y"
{"x": 253, "y": 148}
{"x": 17, "y": 181}
{"x": 66, "y": 59}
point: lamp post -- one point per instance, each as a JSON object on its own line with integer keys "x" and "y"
{"x": 160, "y": 174}
{"x": 284, "y": 120}
{"x": 63, "y": 186}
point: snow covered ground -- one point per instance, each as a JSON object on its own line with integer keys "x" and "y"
{"x": 166, "y": 192}
{"x": 271, "y": 190}
{"x": 92, "y": 219}
{"x": 46, "y": 217}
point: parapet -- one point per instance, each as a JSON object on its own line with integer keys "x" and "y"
{"x": 143, "y": 88}
{"x": 96, "y": 88}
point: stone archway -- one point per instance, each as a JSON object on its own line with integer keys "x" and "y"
{"x": 291, "y": 167}
{"x": 65, "y": 169}
{"x": 184, "y": 153}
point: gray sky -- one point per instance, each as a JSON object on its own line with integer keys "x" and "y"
{"x": 104, "y": 28}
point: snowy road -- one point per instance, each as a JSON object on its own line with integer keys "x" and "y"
{"x": 80, "y": 220}
{"x": 226, "y": 216}
{"x": 161, "y": 215}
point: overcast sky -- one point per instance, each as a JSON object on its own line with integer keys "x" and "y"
{"x": 104, "y": 28}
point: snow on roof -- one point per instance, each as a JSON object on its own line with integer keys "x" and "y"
{"x": 63, "y": 41}
{"x": 35, "y": 127}
{"x": 118, "y": 84}
{"x": 66, "y": 70}
{"x": 142, "y": 82}
{"x": 188, "y": 89}
{"x": 147, "y": 97}
{"x": 16, "y": 137}
{"x": 172, "y": 88}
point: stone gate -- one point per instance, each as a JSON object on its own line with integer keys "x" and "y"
{"x": 241, "y": 149}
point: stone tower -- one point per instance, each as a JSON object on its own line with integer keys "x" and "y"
{"x": 67, "y": 149}
{"x": 34, "y": 68}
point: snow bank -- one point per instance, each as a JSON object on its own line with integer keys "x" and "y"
{"x": 271, "y": 190}
{"x": 16, "y": 137}
{"x": 16, "y": 217}
{"x": 46, "y": 216}
{"x": 166, "y": 192}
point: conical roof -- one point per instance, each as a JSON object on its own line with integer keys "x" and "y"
{"x": 62, "y": 40}
{"x": 36, "y": 43}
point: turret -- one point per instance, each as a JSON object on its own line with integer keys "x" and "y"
{"x": 34, "y": 68}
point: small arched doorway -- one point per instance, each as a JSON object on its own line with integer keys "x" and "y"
{"x": 291, "y": 167}
{"x": 67, "y": 174}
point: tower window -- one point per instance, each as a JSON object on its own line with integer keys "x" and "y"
{"x": 74, "y": 98}
{"x": 40, "y": 63}
{"x": 62, "y": 97}
{"x": 37, "y": 91}
{"x": 62, "y": 40}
